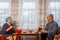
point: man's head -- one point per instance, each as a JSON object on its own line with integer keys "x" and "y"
{"x": 9, "y": 20}
{"x": 50, "y": 17}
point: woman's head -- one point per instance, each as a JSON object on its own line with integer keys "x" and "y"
{"x": 9, "y": 20}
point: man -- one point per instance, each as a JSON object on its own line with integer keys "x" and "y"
{"x": 51, "y": 27}
{"x": 8, "y": 29}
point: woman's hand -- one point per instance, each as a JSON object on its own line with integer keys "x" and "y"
{"x": 9, "y": 28}
{"x": 14, "y": 26}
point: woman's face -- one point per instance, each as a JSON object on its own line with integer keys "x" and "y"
{"x": 10, "y": 21}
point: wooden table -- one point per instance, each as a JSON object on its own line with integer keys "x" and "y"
{"x": 28, "y": 34}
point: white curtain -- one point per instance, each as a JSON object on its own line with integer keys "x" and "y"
{"x": 54, "y": 8}
{"x": 29, "y": 14}
{"x": 4, "y": 11}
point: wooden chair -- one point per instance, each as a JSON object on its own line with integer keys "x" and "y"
{"x": 56, "y": 37}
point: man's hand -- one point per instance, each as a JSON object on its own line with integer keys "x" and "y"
{"x": 14, "y": 33}
{"x": 43, "y": 31}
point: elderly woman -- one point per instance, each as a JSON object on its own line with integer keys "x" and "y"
{"x": 8, "y": 29}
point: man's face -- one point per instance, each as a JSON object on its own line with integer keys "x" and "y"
{"x": 49, "y": 18}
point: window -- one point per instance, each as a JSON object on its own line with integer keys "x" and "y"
{"x": 4, "y": 5}
{"x": 4, "y": 11}
{"x": 29, "y": 18}
{"x": 55, "y": 10}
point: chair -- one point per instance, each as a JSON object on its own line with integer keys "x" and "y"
{"x": 2, "y": 38}
{"x": 18, "y": 36}
{"x": 59, "y": 37}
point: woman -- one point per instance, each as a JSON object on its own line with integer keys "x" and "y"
{"x": 8, "y": 29}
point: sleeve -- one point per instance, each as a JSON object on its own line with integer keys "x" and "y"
{"x": 0, "y": 28}
{"x": 4, "y": 28}
{"x": 46, "y": 28}
{"x": 55, "y": 28}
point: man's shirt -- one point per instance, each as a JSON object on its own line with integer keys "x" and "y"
{"x": 52, "y": 27}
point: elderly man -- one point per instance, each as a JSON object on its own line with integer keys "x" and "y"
{"x": 8, "y": 29}
{"x": 51, "y": 27}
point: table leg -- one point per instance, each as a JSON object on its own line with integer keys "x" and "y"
{"x": 18, "y": 38}
{"x": 38, "y": 37}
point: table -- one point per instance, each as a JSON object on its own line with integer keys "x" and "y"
{"x": 28, "y": 34}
